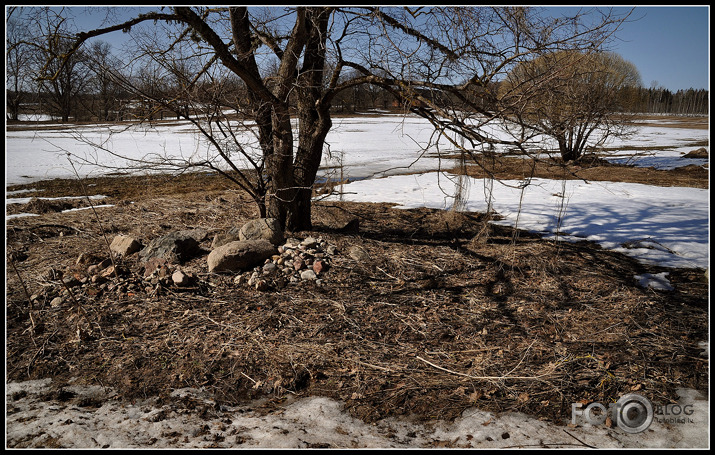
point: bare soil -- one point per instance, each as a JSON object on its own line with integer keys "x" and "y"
{"x": 445, "y": 312}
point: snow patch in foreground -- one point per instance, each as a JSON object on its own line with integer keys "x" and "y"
{"x": 302, "y": 423}
{"x": 657, "y": 281}
{"x": 25, "y": 200}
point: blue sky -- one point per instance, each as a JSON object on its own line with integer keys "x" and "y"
{"x": 668, "y": 45}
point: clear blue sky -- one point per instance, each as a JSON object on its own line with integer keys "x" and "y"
{"x": 668, "y": 45}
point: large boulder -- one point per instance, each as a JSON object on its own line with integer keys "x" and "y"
{"x": 240, "y": 255}
{"x": 177, "y": 246}
{"x": 262, "y": 228}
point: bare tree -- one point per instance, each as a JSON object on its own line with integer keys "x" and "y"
{"x": 582, "y": 98}
{"x": 59, "y": 68}
{"x": 103, "y": 90}
{"x": 18, "y": 64}
{"x": 441, "y": 63}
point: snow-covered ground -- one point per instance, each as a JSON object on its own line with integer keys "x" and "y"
{"x": 670, "y": 144}
{"x": 666, "y": 226}
{"x": 310, "y": 422}
{"x": 365, "y": 146}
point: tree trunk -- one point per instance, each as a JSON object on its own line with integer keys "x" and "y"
{"x": 569, "y": 155}
{"x": 314, "y": 122}
{"x": 279, "y": 167}
{"x": 568, "y": 152}
{"x": 313, "y": 117}
{"x": 310, "y": 152}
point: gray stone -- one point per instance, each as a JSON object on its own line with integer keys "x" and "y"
{"x": 124, "y": 245}
{"x": 108, "y": 272}
{"x": 309, "y": 242}
{"x": 308, "y": 275}
{"x": 70, "y": 281}
{"x": 262, "y": 228}
{"x": 252, "y": 280}
{"x": 239, "y": 255}
{"x": 359, "y": 253}
{"x": 178, "y": 246}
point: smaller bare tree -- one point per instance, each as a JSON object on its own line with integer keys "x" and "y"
{"x": 104, "y": 91}
{"x": 18, "y": 68}
{"x": 60, "y": 72}
{"x": 578, "y": 99}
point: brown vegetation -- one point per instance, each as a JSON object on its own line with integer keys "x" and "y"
{"x": 435, "y": 318}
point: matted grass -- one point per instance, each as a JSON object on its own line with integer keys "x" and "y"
{"x": 439, "y": 314}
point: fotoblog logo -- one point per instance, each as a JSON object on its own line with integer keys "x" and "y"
{"x": 633, "y": 413}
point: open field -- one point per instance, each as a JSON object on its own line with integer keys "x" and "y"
{"x": 443, "y": 312}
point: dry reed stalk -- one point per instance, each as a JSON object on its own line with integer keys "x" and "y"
{"x": 96, "y": 216}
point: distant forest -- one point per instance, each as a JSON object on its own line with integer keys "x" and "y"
{"x": 116, "y": 105}
{"x": 663, "y": 101}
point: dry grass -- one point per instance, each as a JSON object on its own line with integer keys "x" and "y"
{"x": 435, "y": 320}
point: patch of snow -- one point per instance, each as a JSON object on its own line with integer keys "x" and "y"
{"x": 13, "y": 193}
{"x": 87, "y": 208}
{"x": 25, "y": 200}
{"x": 663, "y": 226}
{"x": 19, "y": 215}
{"x": 705, "y": 346}
{"x": 657, "y": 281}
{"x": 306, "y": 423}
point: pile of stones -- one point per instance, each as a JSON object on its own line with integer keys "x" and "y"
{"x": 296, "y": 261}
{"x": 260, "y": 256}
{"x": 257, "y": 256}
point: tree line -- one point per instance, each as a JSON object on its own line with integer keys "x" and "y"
{"x": 100, "y": 98}
{"x": 663, "y": 101}
{"x": 95, "y": 84}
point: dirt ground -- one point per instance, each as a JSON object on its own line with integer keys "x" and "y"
{"x": 444, "y": 312}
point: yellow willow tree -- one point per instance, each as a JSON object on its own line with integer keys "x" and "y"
{"x": 578, "y": 99}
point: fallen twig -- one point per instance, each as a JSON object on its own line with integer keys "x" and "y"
{"x": 486, "y": 378}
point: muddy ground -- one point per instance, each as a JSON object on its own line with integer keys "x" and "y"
{"x": 444, "y": 312}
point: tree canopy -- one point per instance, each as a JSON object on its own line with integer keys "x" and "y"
{"x": 282, "y": 69}
{"x": 578, "y": 98}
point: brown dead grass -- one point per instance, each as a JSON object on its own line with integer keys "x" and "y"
{"x": 446, "y": 313}
{"x": 590, "y": 168}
